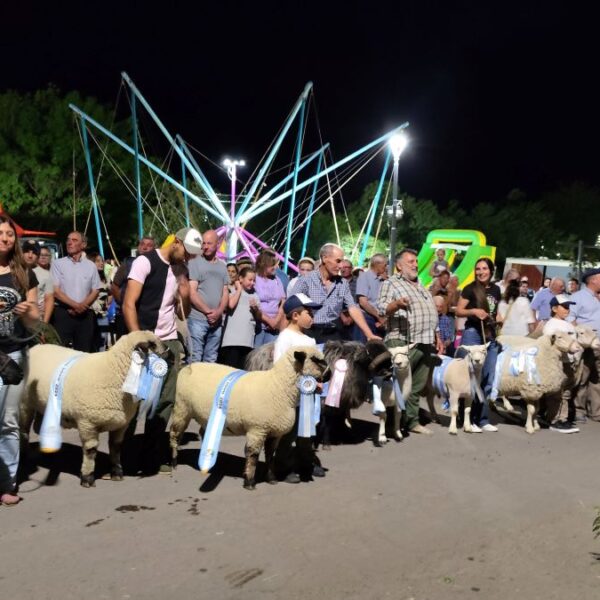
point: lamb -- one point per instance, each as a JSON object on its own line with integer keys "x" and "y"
{"x": 364, "y": 362}
{"x": 532, "y": 370}
{"x": 459, "y": 378}
{"x": 261, "y": 405}
{"x": 92, "y": 401}
{"x": 402, "y": 372}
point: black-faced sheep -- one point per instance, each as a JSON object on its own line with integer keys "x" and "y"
{"x": 92, "y": 401}
{"x": 261, "y": 405}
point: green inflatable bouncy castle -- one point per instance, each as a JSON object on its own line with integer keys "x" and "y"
{"x": 469, "y": 244}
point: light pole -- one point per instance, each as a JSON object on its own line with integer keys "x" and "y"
{"x": 398, "y": 144}
{"x": 231, "y": 166}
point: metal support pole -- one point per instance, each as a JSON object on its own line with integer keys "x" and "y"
{"x": 88, "y": 161}
{"x": 186, "y": 202}
{"x": 393, "y": 232}
{"x": 376, "y": 200}
{"x": 311, "y": 207}
{"x": 288, "y": 239}
{"x": 138, "y": 182}
{"x": 579, "y": 258}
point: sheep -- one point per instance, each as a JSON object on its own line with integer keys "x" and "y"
{"x": 402, "y": 372}
{"x": 460, "y": 379}
{"x": 261, "y": 405}
{"x": 364, "y": 362}
{"x": 543, "y": 355}
{"x": 92, "y": 401}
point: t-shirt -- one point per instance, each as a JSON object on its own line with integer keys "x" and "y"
{"x": 10, "y": 325}
{"x": 271, "y": 293}
{"x": 156, "y": 304}
{"x": 438, "y": 266}
{"x": 541, "y": 304}
{"x": 556, "y": 325}
{"x": 45, "y": 286}
{"x": 76, "y": 278}
{"x": 288, "y": 339}
{"x": 520, "y": 316}
{"x": 493, "y": 299}
{"x": 240, "y": 326}
{"x": 212, "y": 277}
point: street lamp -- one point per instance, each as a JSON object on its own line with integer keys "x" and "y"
{"x": 231, "y": 166}
{"x": 397, "y": 144}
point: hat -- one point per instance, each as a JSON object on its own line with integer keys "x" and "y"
{"x": 589, "y": 273}
{"x": 562, "y": 299}
{"x": 31, "y": 246}
{"x": 192, "y": 240}
{"x": 298, "y": 301}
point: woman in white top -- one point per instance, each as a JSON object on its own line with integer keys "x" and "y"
{"x": 515, "y": 310}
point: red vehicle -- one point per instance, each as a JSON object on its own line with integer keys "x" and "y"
{"x": 43, "y": 238}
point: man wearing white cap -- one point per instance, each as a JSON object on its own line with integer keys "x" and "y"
{"x": 153, "y": 297}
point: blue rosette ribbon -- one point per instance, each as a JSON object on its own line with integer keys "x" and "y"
{"x": 307, "y": 425}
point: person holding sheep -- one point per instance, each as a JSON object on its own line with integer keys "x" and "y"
{"x": 479, "y": 304}
{"x": 18, "y": 309}
{"x": 153, "y": 293}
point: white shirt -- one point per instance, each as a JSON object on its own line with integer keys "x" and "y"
{"x": 519, "y": 317}
{"x": 288, "y": 339}
{"x": 556, "y": 325}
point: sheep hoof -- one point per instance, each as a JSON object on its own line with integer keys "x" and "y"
{"x": 453, "y": 431}
{"x": 88, "y": 481}
{"x": 382, "y": 441}
{"x": 116, "y": 473}
{"x": 250, "y": 484}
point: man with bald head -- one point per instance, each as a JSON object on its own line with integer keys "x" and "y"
{"x": 209, "y": 296}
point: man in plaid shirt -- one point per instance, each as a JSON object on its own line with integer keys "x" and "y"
{"x": 412, "y": 319}
{"x": 324, "y": 286}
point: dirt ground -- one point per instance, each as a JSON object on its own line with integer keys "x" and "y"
{"x": 493, "y": 515}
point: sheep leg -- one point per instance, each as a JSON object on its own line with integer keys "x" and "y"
{"x": 89, "y": 443}
{"x": 26, "y": 416}
{"x": 453, "y": 400}
{"x": 115, "y": 443}
{"x": 530, "y": 415}
{"x": 467, "y": 419}
{"x": 179, "y": 423}
{"x": 397, "y": 431}
{"x": 381, "y": 436}
{"x": 252, "y": 451}
{"x": 270, "y": 447}
{"x": 507, "y": 405}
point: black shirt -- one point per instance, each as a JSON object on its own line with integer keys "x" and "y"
{"x": 10, "y": 325}
{"x": 493, "y": 299}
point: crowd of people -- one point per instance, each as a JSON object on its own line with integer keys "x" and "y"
{"x": 207, "y": 310}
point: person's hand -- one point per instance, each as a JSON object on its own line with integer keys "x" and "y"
{"x": 346, "y": 319}
{"x": 237, "y": 285}
{"x": 22, "y": 308}
{"x": 372, "y": 336}
{"x": 213, "y": 315}
{"x": 380, "y": 323}
{"x": 439, "y": 346}
{"x": 402, "y": 302}
{"x": 480, "y": 314}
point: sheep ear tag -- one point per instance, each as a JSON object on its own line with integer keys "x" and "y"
{"x": 216, "y": 422}
{"x": 337, "y": 382}
{"x": 307, "y": 425}
{"x": 50, "y": 434}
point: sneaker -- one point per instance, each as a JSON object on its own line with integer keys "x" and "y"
{"x": 421, "y": 429}
{"x": 489, "y": 427}
{"x": 165, "y": 469}
{"x": 292, "y": 478}
{"x": 318, "y": 471}
{"x": 564, "y": 427}
{"x": 475, "y": 428}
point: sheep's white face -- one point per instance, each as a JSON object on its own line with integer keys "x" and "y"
{"x": 587, "y": 337}
{"x": 477, "y": 354}
{"x": 400, "y": 358}
{"x": 565, "y": 343}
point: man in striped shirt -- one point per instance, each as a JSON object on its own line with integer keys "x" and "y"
{"x": 324, "y": 286}
{"x": 412, "y": 319}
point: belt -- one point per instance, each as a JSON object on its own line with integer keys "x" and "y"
{"x": 324, "y": 328}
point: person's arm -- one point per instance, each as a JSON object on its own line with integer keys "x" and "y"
{"x": 368, "y": 307}
{"x": 235, "y": 296}
{"x": 195, "y": 298}
{"x": 463, "y": 311}
{"x": 359, "y": 319}
{"x": 134, "y": 290}
{"x": 28, "y": 310}
{"x": 117, "y": 282}
{"x": 48, "y": 306}
{"x": 224, "y": 302}
{"x": 184, "y": 305}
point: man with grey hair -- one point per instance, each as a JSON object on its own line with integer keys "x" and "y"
{"x": 541, "y": 301}
{"x": 76, "y": 286}
{"x": 367, "y": 292}
{"x": 586, "y": 311}
{"x": 324, "y": 286}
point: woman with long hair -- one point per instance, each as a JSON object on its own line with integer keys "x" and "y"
{"x": 271, "y": 295}
{"x": 478, "y": 303}
{"x": 515, "y": 310}
{"x": 18, "y": 309}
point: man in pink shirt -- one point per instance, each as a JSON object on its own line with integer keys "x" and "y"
{"x": 153, "y": 298}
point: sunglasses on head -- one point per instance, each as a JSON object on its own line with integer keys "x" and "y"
{"x": 524, "y": 280}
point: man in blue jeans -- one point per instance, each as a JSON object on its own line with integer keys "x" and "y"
{"x": 209, "y": 296}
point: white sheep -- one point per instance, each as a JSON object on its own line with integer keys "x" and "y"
{"x": 261, "y": 405}
{"x": 460, "y": 379}
{"x": 532, "y": 370}
{"x": 92, "y": 400}
{"x": 402, "y": 372}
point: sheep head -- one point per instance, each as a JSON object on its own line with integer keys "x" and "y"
{"x": 308, "y": 361}
{"x": 565, "y": 343}
{"x": 380, "y": 364}
{"x": 400, "y": 358}
{"x": 587, "y": 337}
{"x": 477, "y": 354}
{"x": 144, "y": 341}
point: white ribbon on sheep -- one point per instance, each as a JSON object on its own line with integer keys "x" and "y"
{"x": 144, "y": 381}
{"x": 520, "y": 361}
{"x": 334, "y": 393}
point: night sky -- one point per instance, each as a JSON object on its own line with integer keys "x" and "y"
{"x": 499, "y": 95}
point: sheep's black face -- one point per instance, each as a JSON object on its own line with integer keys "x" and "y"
{"x": 312, "y": 364}
{"x": 10, "y": 371}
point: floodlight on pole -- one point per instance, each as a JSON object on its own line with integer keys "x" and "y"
{"x": 398, "y": 143}
{"x": 231, "y": 166}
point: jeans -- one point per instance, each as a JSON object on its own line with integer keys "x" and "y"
{"x": 264, "y": 337}
{"x": 359, "y": 336}
{"x": 9, "y": 428}
{"x": 206, "y": 339}
{"x": 472, "y": 337}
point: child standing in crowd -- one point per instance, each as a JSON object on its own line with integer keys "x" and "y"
{"x": 562, "y": 415}
{"x": 242, "y": 315}
{"x": 299, "y": 312}
{"x": 446, "y": 325}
